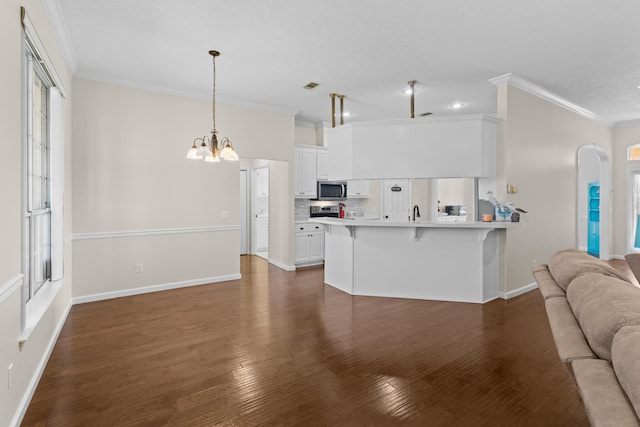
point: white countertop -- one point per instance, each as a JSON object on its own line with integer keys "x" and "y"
{"x": 417, "y": 224}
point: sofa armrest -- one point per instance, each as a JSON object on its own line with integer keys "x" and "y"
{"x": 570, "y": 341}
{"x": 547, "y": 285}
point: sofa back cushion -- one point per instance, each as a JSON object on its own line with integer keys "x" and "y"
{"x": 568, "y": 264}
{"x": 602, "y": 305}
{"x": 625, "y": 357}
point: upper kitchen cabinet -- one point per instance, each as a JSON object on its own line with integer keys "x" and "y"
{"x": 305, "y": 173}
{"x": 433, "y": 147}
{"x": 358, "y": 189}
{"x": 322, "y": 164}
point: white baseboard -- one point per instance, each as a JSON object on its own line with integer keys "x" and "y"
{"x": 282, "y": 266}
{"x": 154, "y": 288}
{"x": 33, "y": 384}
{"x": 523, "y": 290}
{"x": 309, "y": 264}
{"x": 616, "y": 256}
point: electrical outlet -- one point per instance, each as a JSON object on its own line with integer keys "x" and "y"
{"x": 139, "y": 268}
{"x": 224, "y": 214}
{"x": 9, "y": 369}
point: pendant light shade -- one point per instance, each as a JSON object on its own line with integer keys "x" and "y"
{"x": 209, "y": 149}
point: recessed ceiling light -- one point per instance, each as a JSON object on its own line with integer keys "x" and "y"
{"x": 457, "y": 105}
{"x": 346, "y": 114}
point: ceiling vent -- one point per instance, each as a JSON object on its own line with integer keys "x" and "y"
{"x": 310, "y": 85}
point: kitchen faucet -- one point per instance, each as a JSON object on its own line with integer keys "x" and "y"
{"x": 416, "y": 212}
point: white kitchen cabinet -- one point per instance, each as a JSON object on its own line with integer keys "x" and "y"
{"x": 305, "y": 171}
{"x": 358, "y": 189}
{"x": 309, "y": 243}
{"x": 262, "y": 234}
{"x": 440, "y": 147}
{"x": 322, "y": 164}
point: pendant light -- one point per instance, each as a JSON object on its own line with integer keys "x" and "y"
{"x": 210, "y": 149}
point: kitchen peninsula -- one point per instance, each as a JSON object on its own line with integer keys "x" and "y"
{"x": 423, "y": 260}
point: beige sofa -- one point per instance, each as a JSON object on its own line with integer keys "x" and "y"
{"x": 594, "y": 314}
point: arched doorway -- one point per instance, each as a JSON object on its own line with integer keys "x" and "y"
{"x": 593, "y": 201}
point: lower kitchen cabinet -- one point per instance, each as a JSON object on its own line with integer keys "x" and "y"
{"x": 309, "y": 243}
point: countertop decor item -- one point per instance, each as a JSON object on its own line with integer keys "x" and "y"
{"x": 210, "y": 149}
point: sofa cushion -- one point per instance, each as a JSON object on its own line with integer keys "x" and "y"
{"x": 568, "y": 264}
{"x": 625, "y": 356}
{"x": 604, "y": 399}
{"x": 547, "y": 285}
{"x": 570, "y": 341}
{"x": 602, "y": 305}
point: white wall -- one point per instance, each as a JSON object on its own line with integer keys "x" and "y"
{"x": 131, "y": 175}
{"x": 538, "y": 149}
{"x": 305, "y": 135}
{"x": 28, "y": 362}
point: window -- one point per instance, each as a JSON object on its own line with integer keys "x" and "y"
{"x": 43, "y": 181}
{"x": 633, "y": 153}
{"x": 38, "y": 214}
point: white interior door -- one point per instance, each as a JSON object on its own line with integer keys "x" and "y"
{"x": 396, "y": 198}
{"x": 260, "y": 211}
{"x": 243, "y": 211}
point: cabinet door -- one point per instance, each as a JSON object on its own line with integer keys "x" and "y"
{"x": 316, "y": 245}
{"x": 364, "y": 188}
{"x": 358, "y": 188}
{"x": 322, "y": 164}
{"x": 302, "y": 250}
{"x": 396, "y": 199}
{"x": 309, "y": 173}
{"x": 297, "y": 172}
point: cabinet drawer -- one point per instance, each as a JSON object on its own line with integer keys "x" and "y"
{"x": 303, "y": 227}
{"x": 316, "y": 227}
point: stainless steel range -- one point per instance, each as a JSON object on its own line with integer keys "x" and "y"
{"x": 332, "y": 211}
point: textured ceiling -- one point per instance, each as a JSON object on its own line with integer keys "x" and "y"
{"x": 585, "y": 51}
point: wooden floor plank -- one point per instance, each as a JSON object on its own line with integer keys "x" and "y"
{"x": 282, "y": 348}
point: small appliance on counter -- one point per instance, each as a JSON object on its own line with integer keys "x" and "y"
{"x": 457, "y": 210}
{"x": 332, "y": 211}
{"x": 453, "y": 213}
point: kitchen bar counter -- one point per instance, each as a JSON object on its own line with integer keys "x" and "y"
{"x": 447, "y": 261}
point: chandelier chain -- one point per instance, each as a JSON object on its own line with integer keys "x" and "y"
{"x": 214, "y": 131}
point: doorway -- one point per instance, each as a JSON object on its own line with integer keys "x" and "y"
{"x": 244, "y": 194}
{"x": 593, "y": 201}
{"x": 260, "y": 211}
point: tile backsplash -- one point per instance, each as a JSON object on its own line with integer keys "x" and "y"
{"x": 302, "y": 207}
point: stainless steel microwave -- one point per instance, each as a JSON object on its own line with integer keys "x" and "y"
{"x": 332, "y": 190}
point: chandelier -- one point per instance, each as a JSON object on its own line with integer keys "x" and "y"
{"x": 210, "y": 149}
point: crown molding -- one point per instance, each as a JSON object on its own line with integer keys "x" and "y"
{"x": 54, "y": 13}
{"x": 534, "y": 89}
{"x": 305, "y": 124}
{"x": 102, "y": 78}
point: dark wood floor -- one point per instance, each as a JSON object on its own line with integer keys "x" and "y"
{"x": 278, "y": 348}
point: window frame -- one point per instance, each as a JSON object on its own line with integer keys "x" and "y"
{"x": 34, "y": 307}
